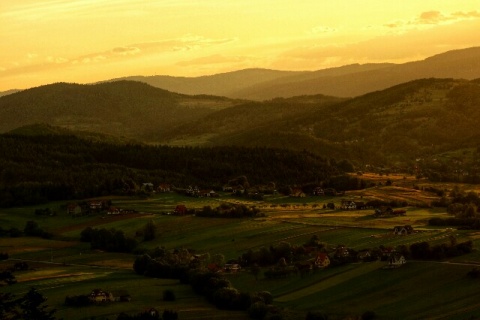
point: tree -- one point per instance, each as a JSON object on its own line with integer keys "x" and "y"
{"x": 258, "y": 310}
{"x": 255, "y": 270}
{"x": 33, "y": 307}
{"x": 149, "y": 231}
{"x": 218, "y": 259}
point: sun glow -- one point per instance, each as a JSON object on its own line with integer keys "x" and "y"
{"x": 86, "y": 40}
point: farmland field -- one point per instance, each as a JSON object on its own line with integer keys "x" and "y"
{"x": 63, "y": 266}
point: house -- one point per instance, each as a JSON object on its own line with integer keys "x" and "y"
{"x": 163, "y": 187}
{"x": 74, "y": 209}
{"x": 208, "y": 193}
{"x": 213, "y": 267}
{"x": 322, "y": 260}
{"x": 152, "y": 313}
{"x": 348, "y": 205}
{"x": 403, "y": 230}
{"x": 341, "y": 252}
{"x": 387, "y": 252}
{"x": 318, "y": 191}
{"x": 227, "y": 188}
{"x": 231, "y": 267}
{"x": 96, "y": 205}
{"x": 297, "y": 193}
{"x": 396, "y": 260}
{"x": 192, "y": 191}
{"x": 121, "y": 296}
{"x": 238, "y": 189}
{"x": 180, "y": 210}
{"x": 98, "y": 295}
{"x": 364, "y": 255}
{"x": 113, "y": 210}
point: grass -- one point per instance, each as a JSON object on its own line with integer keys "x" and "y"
{"x": 419, "y": 290}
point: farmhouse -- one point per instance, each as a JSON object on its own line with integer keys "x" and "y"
{"x": 98, "y": 295}
{"x": 164, "y": 187}
{"x": 113, "y": 210}
{"x": 192, "y": 191}
{"x": 95, "y": 205}
{"x": 74, "y": 209}
{"x": 341, "y": 252}
{"x": 364, "y": 255}
{"x": 180, "y": 210}
{"x": 231, "y": 267}
{"x": 208, "y": 193}
{"x": 396, "y": 260}
{"x": 322, "y": 260}
{"x": 403, "y": 230}
{"x": 318, "y": 191}
{"x": 297, "y": 193}
{"x": 348, "y": 205}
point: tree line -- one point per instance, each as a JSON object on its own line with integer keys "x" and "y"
{"x": 38, "y": 169}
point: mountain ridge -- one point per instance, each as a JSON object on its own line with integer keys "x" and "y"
{"x": 344, "y": 81}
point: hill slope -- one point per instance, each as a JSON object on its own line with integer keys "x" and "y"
{"x": 124, "y": 108}
{"x": 222, "y": 84}
{"x": 401, "y": 123}
{"x": 346, "y": 81}
{"x": 460, "y": 64}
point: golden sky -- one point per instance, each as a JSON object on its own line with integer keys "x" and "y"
{"x": 45, "y": 41}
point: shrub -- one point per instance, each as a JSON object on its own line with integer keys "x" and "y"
{"x": 169, "y": 315}
{"x": 169, "y": 295}
{"x": 316, "y": 316}
{"x": 258, "y": 310}
{"x": 368, "y": 315}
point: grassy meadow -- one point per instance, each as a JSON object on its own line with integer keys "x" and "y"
{"x": 64, "y": 266}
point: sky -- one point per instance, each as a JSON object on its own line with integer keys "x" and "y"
{"x": 84, "y": 41}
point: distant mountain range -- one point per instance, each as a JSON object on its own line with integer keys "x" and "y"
{"x": 346, "y": 81}
{"x": 400, "y": 123}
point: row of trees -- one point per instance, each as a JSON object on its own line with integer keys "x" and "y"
{"x": 183, "y": 265}
{"x": 38, "y": 169}
{"x": 108, "y": 239}
{"x": 226, "y": 210}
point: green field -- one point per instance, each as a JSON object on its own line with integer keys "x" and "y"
{"x": 64, "y": 266}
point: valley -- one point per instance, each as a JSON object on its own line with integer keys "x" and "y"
{"x": 343, "y": 193}
{"x": 63, "y": 266}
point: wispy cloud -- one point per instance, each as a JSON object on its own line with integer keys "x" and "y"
{"x": 188, "y": 42}
{"x": 432, "y": 18}
{"x": 322, "y": 30}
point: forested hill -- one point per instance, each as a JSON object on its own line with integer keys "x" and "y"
{"x": 34, "y": 169}
{"x": 408, "y": 121}
{"x": 123, "y": 108}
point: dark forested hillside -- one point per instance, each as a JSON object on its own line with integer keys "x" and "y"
{"x": 124, "y": 108}
{"x": 34, "y": 169}
{"x": 399, "y": 124}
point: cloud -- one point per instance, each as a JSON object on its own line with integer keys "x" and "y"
{"x": 431, "y": 18}
{"x": 126, "y": 51}
{"x": 414, "y": 44}
{"x": 467, "y": 15}
{"x": 56, "y": 60}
